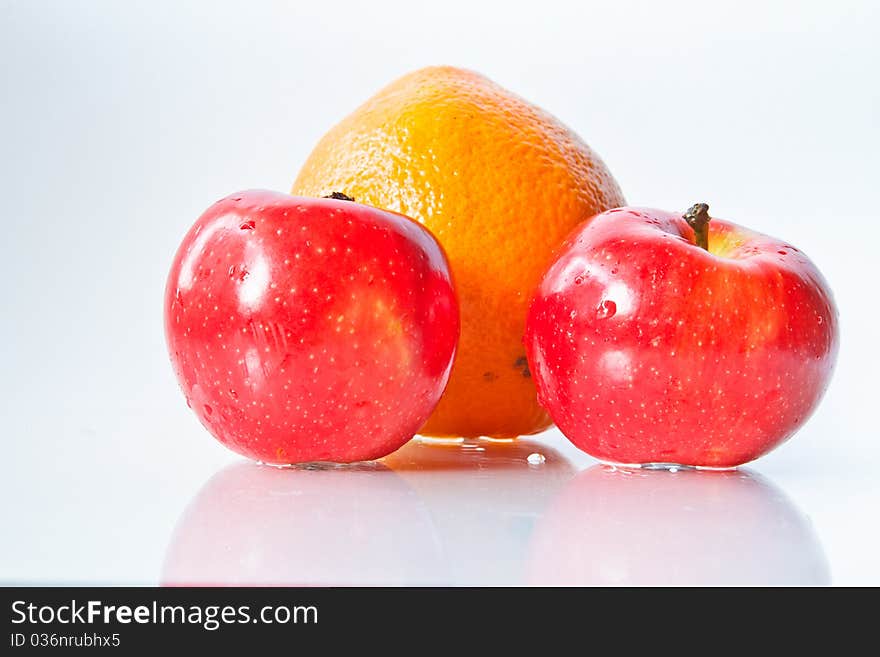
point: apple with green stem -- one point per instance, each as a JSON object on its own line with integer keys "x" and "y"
{"x": 657, "y": 337}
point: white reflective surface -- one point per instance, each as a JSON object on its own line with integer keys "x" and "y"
{"x": 481, "y": 514}
{"x": 123, "y": 121}
{"x": 460, "y": 514}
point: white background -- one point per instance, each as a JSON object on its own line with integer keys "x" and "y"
{"x": 121, "y": 122}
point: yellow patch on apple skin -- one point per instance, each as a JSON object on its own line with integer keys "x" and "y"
{"x": 726, "y": 243}
{"x": 714, "y": 455}
{"x": 394, "y": 342}
{"x": 371, "y": 318}
{"x": 384, "y": 314}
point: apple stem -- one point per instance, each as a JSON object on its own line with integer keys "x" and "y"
{"x": 698, "y": 218}
{"x": 339, "y": 196}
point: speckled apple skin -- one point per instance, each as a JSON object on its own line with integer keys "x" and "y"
{"x": 646, "y": 348}
{"x": 306, "y": 329}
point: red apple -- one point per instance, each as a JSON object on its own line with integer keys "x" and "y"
{"x": 658, "y": 338}
{"x": 306, "y": 329}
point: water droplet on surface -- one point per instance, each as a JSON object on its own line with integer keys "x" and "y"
{"x": 188, "y": 403}
{"x": 248, "y": 225}
{"x": 535, "y": 458}
{"x": 578, "y": 280}
{"x": 606, "y": 309}
{"x": 819, "y": 319}
{"x": 208, "y": 410}
{"x": 233, "y": 394}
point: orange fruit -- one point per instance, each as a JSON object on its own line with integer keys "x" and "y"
{"x": 500, "y": 183}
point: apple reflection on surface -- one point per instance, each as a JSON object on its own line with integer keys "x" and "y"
{"x": 259, "y": 525}
{"x": 640, "y": 527}
{"x": 432, "y": 514}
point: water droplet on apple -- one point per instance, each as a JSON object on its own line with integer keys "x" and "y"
{"x": 208, "y": 410}
{"x": 248, "y": 225}
{"x": 819, "y": 318}
{"x": 535, "y": 458}
{"x": 578, "y": 280}
{"x": 606, "y": 309}
{"x": 233, "y": 394}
